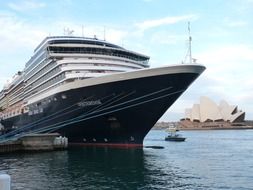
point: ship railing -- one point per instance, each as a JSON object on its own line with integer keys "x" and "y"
{"x": 144, "y": 61}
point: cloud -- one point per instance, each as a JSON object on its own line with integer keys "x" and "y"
{"x": 19, "y": 38}
{"x": 232, "y": 58}
{"x": 229, "y": 74}
{"x": 148, "y": 24}
{"x": 164, "y": 37}
{"x": 16, "y": 33}
{"x": 237, "y": 23}
{"x": 111, "y": 34}
{"x": 231, "y": 22}
{"x": 26, "y": 5}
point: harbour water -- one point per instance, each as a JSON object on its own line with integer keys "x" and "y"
{"x": 206, "y": 160}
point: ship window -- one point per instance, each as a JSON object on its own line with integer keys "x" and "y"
{"x": 63, "y": 96}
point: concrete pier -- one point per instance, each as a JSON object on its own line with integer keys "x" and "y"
{"x": 35, "y": 142}
{"x": 10, "y": 146}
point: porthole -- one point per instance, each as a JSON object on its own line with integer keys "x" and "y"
{"x": 63, "y": 96}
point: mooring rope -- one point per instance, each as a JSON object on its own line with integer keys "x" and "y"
{"x": 98, "y": 111}
{"x": 68, "y": 122}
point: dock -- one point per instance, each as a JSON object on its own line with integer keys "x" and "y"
{"x": 35, "y": 142}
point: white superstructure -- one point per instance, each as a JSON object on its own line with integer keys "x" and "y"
{"x": 62, "y": 59}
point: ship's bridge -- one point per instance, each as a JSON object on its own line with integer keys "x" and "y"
{"x": 73, "y": 44}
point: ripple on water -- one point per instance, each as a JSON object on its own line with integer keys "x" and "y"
{"x": 206, "y": 160}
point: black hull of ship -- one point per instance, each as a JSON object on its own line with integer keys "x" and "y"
{"x": 114, "y": 113}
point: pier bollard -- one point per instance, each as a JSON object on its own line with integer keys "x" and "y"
{"x": 5, "y": 182}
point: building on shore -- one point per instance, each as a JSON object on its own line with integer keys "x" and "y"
{"x": 207, "y": 114}
{"x": 207, "y": 111}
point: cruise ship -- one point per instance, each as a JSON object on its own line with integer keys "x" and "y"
{"x": 91, "y": 91}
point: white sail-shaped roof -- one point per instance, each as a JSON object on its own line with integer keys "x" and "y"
{"x": 237, "y": 117}
{"x": 226, "y": 110}
{"x": 188, "y": 113}
{"x": 195, "y": 116}
{"x": 208, "y": 110}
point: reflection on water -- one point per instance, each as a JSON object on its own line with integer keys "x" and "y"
{"x": 90, "y": 168}
{"x": 86, "y": 168}
{"x": 206, "y": 160}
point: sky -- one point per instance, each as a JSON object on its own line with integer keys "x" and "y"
{"x": 221, "y": 31}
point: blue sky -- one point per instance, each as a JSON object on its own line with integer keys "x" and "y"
{"x": 221, "y": 30}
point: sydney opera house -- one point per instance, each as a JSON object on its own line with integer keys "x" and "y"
{"x": 208, "y": 111}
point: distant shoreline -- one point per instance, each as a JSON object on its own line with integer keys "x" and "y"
{"x": 210, "y": 128}
{"x": 191, "y": 126}
{"x": 204, "y": 129}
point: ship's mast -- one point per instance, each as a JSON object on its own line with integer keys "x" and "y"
{"x": 190, "y": 43}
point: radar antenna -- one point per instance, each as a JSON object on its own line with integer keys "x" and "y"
{"x": 82, "y": 31}
{"x": 68, "y": 32}
{"x": 104, "y": 33}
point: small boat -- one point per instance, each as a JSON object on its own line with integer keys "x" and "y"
{"x": 173, "y": 136}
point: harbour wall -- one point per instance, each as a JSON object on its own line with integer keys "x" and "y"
{"x": 35, "y": 142}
